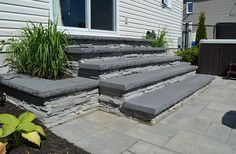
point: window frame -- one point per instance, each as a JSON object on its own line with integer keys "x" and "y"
{"x": 187, "y": 8}
{"x": 88, "y": 30}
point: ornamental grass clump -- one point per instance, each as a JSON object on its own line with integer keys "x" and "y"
{"x": 39, "y": 51}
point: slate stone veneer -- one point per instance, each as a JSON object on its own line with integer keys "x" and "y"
{"x": 54, "y": 102}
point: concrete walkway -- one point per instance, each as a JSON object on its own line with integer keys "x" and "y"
{"x": 204, "y": 125}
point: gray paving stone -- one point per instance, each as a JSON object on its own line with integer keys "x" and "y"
{"x": 193, "y": 108}
{"x": 106, "y": 142}
{"x": 100, "y": 118}
{"x": 147, "y": 136}
{"x": 127, "y": 152}
{"x": 224, "y": 107}
{"x": 142, "y": 147}
{"x": 232, "y": 138}
{"x": 161, "y": 99}
{"x": 212, "y": 98}
{"x": 76, "y": 130}
{"x": 189, "y": 143}
{"x": 121, "y": 124}
{"x": 215, "y": 116}
{"x": 218, "y": 132}
{"x": 186, "y": 123}
{"x": 159, "y": 129}
{"x": 219, "y": 92}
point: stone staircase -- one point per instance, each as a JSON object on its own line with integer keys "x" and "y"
{"x": 135, "y": 79}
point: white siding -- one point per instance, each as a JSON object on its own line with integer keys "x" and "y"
{"x": 15, "y": 13}
{"x": 147, "y": 15}
{"x": 142, "y": 15}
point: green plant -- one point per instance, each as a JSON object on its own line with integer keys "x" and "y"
{"x": 40, "y": 51}
{"x": 16, "y": 130}
{"x": 160, "y": 40}
{"x": 201, "y": 31}
{"x": 189, "y": 55}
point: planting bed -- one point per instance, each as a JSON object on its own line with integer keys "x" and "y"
{"x": 52, "y": 144}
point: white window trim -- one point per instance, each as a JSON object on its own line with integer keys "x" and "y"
{"x": 88, "y": 30}
{"x": 187, "y": 9}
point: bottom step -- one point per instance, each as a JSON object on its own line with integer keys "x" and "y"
{"x": 154, "y": 103}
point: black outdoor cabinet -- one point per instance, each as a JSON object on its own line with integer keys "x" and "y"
{"x": 215, "y": 56}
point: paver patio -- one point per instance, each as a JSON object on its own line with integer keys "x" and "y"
{"x": 205, "y": 124}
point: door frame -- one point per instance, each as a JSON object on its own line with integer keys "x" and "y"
{"x": 88, "y": 30}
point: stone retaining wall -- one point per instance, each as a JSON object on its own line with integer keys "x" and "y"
{"x": 60, "y": 110}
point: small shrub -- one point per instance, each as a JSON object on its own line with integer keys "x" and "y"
{"x": 40, "y": 51}
{"x": 160, "y": 40}
{"x": 16, "y": 130}
{"x": 189, "y": 55}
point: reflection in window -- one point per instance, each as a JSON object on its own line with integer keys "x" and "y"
{"x": 102, "y": 14}
{"x": 70, "y": 13}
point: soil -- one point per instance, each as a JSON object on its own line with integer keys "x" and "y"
{"x": 52, "y": 144}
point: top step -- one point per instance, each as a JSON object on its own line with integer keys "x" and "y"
{"x": 98, "y": 40}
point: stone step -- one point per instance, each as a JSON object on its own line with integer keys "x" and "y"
{"x": 97, "y": 67}
{"x": 98, "y": 40}
{"x": 148, "y": 106}
{"x": 136, "y": 81}
{"x": 41, "y": 90}
{"x": 78, "y": 53}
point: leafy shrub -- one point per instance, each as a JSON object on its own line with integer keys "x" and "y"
{"x": 160, "y": 39}
{"x": 16, "y": 130}
{"x": 189, "y": 55}
{"x": 201, "y": 31}
{"x": 40, "y": 51}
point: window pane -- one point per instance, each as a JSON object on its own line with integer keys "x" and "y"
{"x": 70, "y": 13}
{"x": 190, "y": 7}
{"x": 102, "y": 14}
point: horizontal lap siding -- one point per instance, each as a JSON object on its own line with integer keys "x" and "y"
{"x": 15, "y": 13}
{"x": 147, "y": 15}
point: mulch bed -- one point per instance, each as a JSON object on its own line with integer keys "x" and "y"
{"x": 51, "y": 145}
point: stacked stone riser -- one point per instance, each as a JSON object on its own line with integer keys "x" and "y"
{"x": 60, "y": 110}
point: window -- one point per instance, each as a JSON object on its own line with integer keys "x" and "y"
{"x": 189, "y": 7}
{"x": 167, "y": 3}
{"x": 88, "y": 14}
{"x": 102, "y": 14}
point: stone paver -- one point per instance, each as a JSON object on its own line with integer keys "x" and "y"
{"x": 143, "y": 147}
{"x": 76, "y": 130}
{"x": 186, "y": 142}
{"x": 106, "y": 142}
{"x": 205, "y": 124}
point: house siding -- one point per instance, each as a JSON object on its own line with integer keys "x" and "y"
{"x": 136, "y": 17}
{"x": 215, "y": 11}
{"x": 15, "y": 13}
{"x": 139, "y": 16}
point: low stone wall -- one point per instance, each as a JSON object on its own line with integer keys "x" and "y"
{"x": 60, "y": 110}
